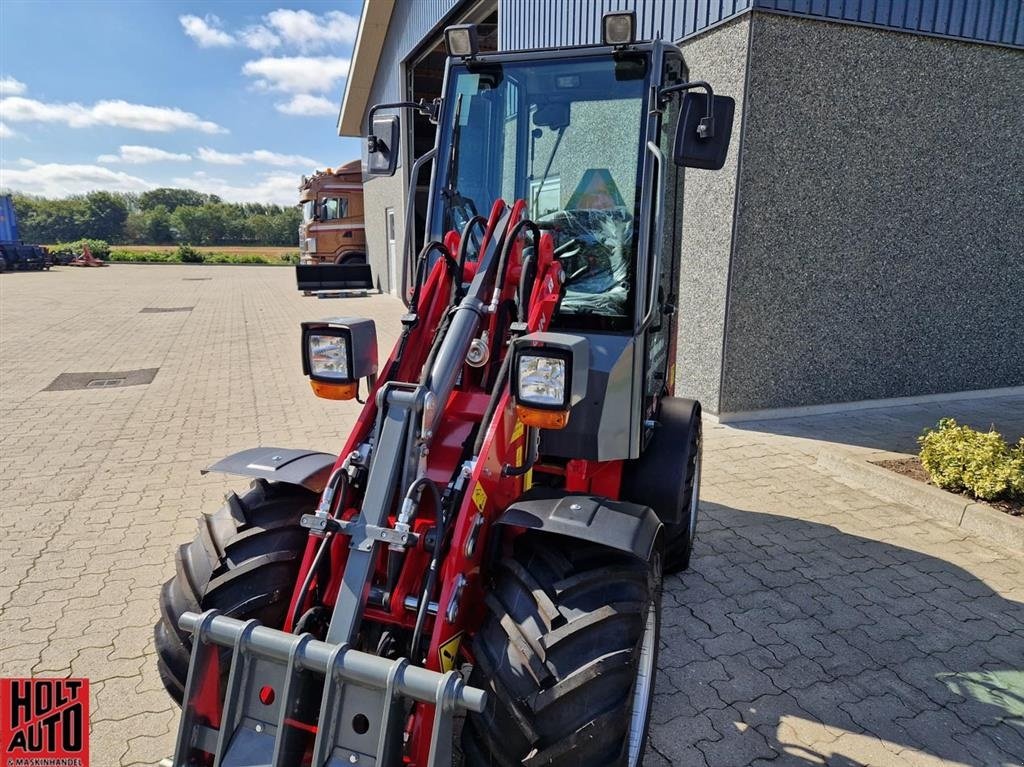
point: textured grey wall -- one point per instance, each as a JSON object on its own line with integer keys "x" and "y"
{"x": 719, "y": 57}
{"x": 879, "y": 248}
{"x": 378, "y": 195}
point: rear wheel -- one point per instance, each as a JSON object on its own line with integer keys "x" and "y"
{"x": 567, "y": 653}
{"x": 350, "y": 259}
{"x": 244, "y": 561}
{"x": 679, "y": 537}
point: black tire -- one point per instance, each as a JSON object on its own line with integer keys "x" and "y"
{"x": 679, "y": 537}
{"x": 351, "y": 258}
{"x": 244, "y": 561}
{"x": 666, "y": 477}
{"x": 559, "y": 653}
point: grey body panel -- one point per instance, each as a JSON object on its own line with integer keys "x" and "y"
{"x": 601, "y": 427}
{"x": 617, "y": 524}
{"x": 306, "y": 468}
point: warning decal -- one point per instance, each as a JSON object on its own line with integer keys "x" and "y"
{"x": 446, "y": 652}
{"x": 479, "y": 497}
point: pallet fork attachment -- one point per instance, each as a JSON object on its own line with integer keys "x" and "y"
{"x": 275, "y": 677}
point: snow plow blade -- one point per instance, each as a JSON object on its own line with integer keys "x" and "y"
{"x": 314, "y": 277}
{"x": 291, "y": 695}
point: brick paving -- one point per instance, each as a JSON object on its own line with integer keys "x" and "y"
{"x": 818, "y": 625}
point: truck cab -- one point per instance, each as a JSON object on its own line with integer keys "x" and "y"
{"x": 332, "y": 229}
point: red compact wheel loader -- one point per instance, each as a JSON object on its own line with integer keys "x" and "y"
{"x": 477, "y": 574}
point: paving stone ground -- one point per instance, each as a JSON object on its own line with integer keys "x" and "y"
{"x": 819, "y": 624}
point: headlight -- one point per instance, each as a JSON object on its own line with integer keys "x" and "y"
{"x": 311, "y": 244}
{"x": 336, "y": 353}
{"x": 541, "y": 380}
{"x": 549, "y": 376}
{"x": 328, "y": 356}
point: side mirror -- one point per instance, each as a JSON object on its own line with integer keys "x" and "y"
{"x": 701, "y": 143}
{"x": 382, "y": 147}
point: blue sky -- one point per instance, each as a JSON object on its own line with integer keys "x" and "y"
{"x": 234, "y": 98}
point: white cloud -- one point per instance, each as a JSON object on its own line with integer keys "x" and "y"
{"x": 11, "y": 87}
{"x": 308, "y": 32}
{"x": 206, "y": 31}
{"x": 296, "y": 29}
{"x": 115, "y": 113}
{"x": 307, "y": 106}
{"x": 132, "y": 154}
{"x": 258, "y": 38}
{"x": 261, "y": 156}
{"x": 297, "y": 74}
{"x": 280, "y": 188}
{"x": 5, "y": 131}
{"x": 58, "y": 180}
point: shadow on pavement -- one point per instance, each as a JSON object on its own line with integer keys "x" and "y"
{"x": 792, "y": 642}
{"x": 896, "y": 428}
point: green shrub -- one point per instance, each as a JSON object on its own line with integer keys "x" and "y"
{"x": 189, "y": 255}
{"x": 140, "y": 257}
{"x": 962, "y": 459}
{"x": 98, "y": 248}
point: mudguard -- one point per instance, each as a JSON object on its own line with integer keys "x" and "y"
{"x": 619, "y": 525}
{"x": 306, "y": 468}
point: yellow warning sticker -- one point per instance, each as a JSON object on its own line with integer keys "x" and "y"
{"x": 446, "y": 652}
{"x": 479, "y": 497}
{"x": 528, "y": 480}
{"x": 517, "y": 432}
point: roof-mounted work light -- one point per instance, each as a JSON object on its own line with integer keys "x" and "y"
{"x": 618, "y": 28}
{"x": 461, "y": 40}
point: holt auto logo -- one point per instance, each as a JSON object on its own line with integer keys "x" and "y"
{"x": 44, "y": 722}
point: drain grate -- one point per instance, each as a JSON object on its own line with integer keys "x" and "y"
{"x": 104, "y": 383}
{"x": 165, "y": 309}
{"x": 196, "y": 279}
{"x": 107, "y": 380}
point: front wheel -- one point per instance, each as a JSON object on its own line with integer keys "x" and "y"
{"x": 244, "y": 562}
{"x": 567, "y": 653}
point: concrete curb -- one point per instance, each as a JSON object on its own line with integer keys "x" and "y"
{"x": 977, "y": 518}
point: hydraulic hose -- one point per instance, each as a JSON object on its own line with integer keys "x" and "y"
{"x": 506, "y": 250}
{"x": 492, "y": 403}
{"x": 431, "y": 577}
{"x": 342, "y": 479}
{"x": 529, "y": 265}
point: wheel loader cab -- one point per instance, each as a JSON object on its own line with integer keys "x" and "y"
{"x": 581, "y": 136}
{"x": 519, "y": 477}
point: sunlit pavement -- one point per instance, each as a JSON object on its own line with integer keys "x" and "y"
{"x": 819, "y": 623}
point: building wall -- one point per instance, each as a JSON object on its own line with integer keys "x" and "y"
{"x": 532, "y": 23}
{"x": 411, "y": 21}
{"x": 878, "y": 249}
{"x": 379, "y": 194}
{"x": 720, "y": 57}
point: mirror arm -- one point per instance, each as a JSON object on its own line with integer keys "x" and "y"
{"x": 430, "y": 109}
{"x": 706, "y": 127}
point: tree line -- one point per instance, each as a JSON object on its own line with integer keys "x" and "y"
{"x": 160, "y": 216}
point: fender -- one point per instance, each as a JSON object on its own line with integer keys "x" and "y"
{"x": 619, "y": 525}
{"x": 305, "y": 468}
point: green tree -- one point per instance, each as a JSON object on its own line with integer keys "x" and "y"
{"x": 158, "y": 225}
{"x": 172, "y": 199}
{"x": 104, "y": 217}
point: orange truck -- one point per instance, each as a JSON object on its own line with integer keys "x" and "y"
{"x": 332, "y": 235}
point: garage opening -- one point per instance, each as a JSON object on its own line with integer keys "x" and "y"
{"x": 424, "y": 77}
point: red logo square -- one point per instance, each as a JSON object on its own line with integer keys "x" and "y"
{"x": 44, "y": 722}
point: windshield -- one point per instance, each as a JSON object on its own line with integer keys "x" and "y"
{"x": 334, "y": 207}
{"x": 307, "y": 211}
{"x": 564, "y": 136}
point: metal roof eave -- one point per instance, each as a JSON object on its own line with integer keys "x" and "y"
{"x": 373, "y": 29}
